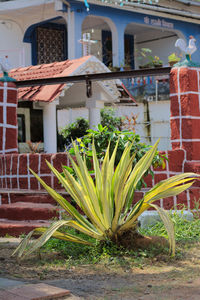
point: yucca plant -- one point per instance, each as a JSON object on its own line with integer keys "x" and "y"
{"x": 106, "y": 200}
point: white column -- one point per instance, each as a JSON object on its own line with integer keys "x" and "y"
{"x": 118, "y": 45}
{"x": 74, "y": 33}
{"x": 50, "y": 127}
{"x": 71, "y": 34}
{"x": 94, "y": 107}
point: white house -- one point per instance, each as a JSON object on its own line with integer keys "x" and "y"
{"x": 38, "y": 32}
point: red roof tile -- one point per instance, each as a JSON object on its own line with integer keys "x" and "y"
{"x": 50, "y": 92}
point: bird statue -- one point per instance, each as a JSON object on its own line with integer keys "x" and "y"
{"x": 5, "y": 67}
{"x": 181, "y": 44}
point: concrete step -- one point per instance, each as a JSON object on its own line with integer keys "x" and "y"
{"x": 28, "y": 211}
{"x": 16, "y": 228}
{"x": 13, "y": 196}
{"x": 34, "y": 198}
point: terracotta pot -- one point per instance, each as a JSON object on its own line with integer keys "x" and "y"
{"x": 172, "y": 63}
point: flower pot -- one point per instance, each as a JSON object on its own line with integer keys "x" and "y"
{"x": 158, "y": 65}
{"x": 172, "y": 63}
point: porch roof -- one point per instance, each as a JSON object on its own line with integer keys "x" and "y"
{"x": 46, "y": 93}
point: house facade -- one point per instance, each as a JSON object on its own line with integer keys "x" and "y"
{"x": 41, "y": 32}
{"x": 37, "y": 31}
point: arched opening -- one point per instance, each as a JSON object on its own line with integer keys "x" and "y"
{"x": 159, "y": 43}
{"x": 101, "y": 32}
{"x": 48, "y": 41}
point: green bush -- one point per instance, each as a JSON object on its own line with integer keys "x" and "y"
{"x": 109, "y": 119}
{"x": 102, "y": 136}
{"x": 79, "y": 128}
{"x": 74, "y": 130}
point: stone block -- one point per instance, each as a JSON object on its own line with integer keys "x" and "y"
{"x": 149, "y": 218}
{"x": 190, "y": 129}
{"x": 40, "y": 291}
{"x": 176, "y": 159}
{"x": 11, "y": 138}
{"x": 23, "y": 164}
{"x": 160, "y": 177}
{"x": 188, "y": 80}
{"x": 175, "y": 129}
{"x": 33, "y": 162}
{"x": 173, "y": 81}
{"x": 44, "y": 169}
{"x": 174, "y": 106}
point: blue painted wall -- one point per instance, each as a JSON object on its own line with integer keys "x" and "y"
{"x": 121, "y": 18}
{"x": 30, "y": 36}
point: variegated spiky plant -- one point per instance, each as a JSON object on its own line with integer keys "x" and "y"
{"x": 107, "y": 199}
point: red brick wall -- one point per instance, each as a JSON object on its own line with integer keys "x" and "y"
{"x": 15, "y": 173}
{"x": 8, "y": 118}
{"x": 184, "y": 156}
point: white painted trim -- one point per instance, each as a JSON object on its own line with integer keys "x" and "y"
{"x": 198, "y": 87}
{"x": 188, "y": 199}
{"x": 9, "y": 150}
{"x": 185, "y": 117}
{"x": 28, "y": 166}
{"x": 185, "y": 140}
{"x": 52, "y": 177}
{"x": 11, "y": 164}
{"x": 18, "y": 172}
{"x": 184, "y": 93}
{"x": 179, "y": 104}
{"x": 24, "y": 176}
{"x": 5, "y": 174}
{"x": 4, "y": 116}
{"x": 39, "y": 166}
{"x": 8, "y": 104}
{"x": 175, "y": 201}
{"x": 8, "y": 126}
{"x": 7, "y": 87}
{"x": 9, "y": 200}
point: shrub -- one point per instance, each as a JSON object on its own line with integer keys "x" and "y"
{"x": 74, "y": 130}
{"x": 107, "y": 200}
{"x": 103, "y": 137}
{"x": 109, "y": 119}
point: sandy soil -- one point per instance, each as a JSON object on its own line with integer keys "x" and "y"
{"x": 155, "y": 279}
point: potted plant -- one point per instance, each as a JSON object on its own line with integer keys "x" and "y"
{"x": 126, "y": 65}
{"x": 144, "y": 55}
{"x": 113, "y": 68}
{"x": 173, "y": 59}
{"x": 157, "y": 62}
{"x": 151, "y": 61}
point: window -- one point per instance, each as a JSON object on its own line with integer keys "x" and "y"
{"x": 21, "y": 128}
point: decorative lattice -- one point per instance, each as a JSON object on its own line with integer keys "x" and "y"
{"x": 50, "y": 45}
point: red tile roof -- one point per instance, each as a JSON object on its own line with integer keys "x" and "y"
{"x": 46, "y": 93}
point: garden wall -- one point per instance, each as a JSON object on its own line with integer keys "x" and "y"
{"x": 185, "y": 139}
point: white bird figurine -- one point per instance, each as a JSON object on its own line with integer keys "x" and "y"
{"x": 5, "y": 65}
{"x": 181, "y": 44}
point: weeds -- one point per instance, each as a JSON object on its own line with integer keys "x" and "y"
{"x": 186, "y": 233}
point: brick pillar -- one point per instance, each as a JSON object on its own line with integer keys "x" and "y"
{"x": 185, "y": 111}
{"x": 8, "y": 118}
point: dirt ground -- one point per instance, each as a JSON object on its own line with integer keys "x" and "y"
{"x": 157, "y": 278}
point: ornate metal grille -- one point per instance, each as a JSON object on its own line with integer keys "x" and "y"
{"x": 50, "y": 45}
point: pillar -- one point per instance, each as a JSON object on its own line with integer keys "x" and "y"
{"x": 185, "y": 111}
{"x": 94, "y": 107}
{"x": 74, "y": 32}
{"x": 8, "y": 118}
{"x": 50, "y": 127}
{"x": 118, "y": 44}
